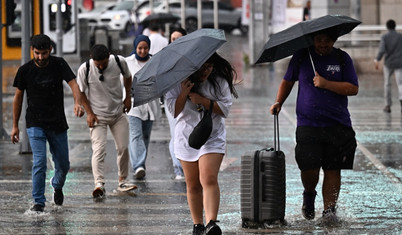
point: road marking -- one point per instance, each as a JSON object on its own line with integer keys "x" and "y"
{"x": 378, "y": 164}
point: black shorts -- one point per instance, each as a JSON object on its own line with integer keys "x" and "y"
{"x": 331, "y": 148}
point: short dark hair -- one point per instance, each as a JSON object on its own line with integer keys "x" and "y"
{"x": 41, "y": 42}
{"x": 391, "y": 24}
{"x": 99, "y": 52}
{"x": 154, "y": 27}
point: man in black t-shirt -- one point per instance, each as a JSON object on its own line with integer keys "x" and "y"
{"x": 42, "y": 79}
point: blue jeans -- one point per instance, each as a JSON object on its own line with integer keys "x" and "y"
{"x": 58, "y": 145}
{"x": 140, "y": 134}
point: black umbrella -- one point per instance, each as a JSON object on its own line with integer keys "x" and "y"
{"x": 160, "y": 18}
{"x": 298, "y": 36}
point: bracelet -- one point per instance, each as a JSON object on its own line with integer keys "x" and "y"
{"x": 277, "y": 103}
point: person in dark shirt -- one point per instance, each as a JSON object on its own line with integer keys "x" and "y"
{"x": 42, "y": 79}
{"x": 325, "y": 138}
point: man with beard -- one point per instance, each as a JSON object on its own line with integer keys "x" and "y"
{"x": 42, "y": 79}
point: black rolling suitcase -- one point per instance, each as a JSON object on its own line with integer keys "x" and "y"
{"x": 263, "y": 186}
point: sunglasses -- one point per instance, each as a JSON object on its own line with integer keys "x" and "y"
{"x": 101, "y": 77}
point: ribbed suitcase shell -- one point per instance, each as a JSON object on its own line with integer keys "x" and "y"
{"x": 262, "y": 187}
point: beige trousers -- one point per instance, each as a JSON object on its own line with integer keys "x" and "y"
{"x": 120, "y": 130}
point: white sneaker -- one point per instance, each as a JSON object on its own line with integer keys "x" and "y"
{"x": 139, "y": 173}
{"x": 125, "y": 186}
{"x": 179, "y": 177}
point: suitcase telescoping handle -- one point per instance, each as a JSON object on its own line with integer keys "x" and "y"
{"x": 276, "y": 133}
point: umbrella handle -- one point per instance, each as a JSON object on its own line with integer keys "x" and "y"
{"x": 311, "y": 59}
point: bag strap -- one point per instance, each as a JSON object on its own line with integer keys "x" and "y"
{"x": 276, "y": 133}
{"x": 87, "y": 71}
{"x": 119, "y": 64}
{"x": 211, "y": 106}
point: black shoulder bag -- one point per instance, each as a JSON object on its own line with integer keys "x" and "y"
{"x": 202, "y": 130}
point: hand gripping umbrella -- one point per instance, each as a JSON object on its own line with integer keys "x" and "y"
{"x": 175, "y": 63}
{"x": 299, "y": 36}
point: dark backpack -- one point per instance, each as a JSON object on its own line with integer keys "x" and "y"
{"x": 88, "y": 67}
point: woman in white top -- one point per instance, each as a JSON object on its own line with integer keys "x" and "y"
{"x": 178, "y": 169}
{"x": 141, "y": 117}
{"x": 212, "y": 82}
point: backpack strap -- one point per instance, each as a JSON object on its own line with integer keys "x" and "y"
{"x": 119, "y": 64}
{"x": 87, "y": 71}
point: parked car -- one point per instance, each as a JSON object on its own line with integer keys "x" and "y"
{"x": 143, "y": 10}
{"x": 93, "y": 16}
{"x": 118, "y": 18}
{"x": 229, "y": 17}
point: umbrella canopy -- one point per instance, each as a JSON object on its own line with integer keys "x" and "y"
{"x": 175, "y": 63}
{"x": 160, "y": 18}
{"x": 298, "y": 36}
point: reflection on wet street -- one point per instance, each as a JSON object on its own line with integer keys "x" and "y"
{"x": 369, "y": 203}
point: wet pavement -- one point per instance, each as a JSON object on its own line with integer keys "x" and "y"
{"x": 369, "y": 203}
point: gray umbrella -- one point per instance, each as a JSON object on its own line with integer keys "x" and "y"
{"x": 298, "y": 36}
{"x": 175, "y": 63}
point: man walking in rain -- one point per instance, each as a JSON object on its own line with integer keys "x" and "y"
{"x": 324, "y": 135}
{"x": 100, "y": 79}
{"x": 391, "y": 49}
{"x": 42, "y": 79}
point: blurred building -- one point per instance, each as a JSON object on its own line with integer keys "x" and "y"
{"x": 370, "y": 12}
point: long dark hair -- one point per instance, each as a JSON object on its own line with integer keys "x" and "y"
{"x": 224, "y": 69}
{"x": 178, "y": 29}
{"x": 221, "y": 68}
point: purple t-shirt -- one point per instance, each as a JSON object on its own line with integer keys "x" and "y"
{"x": 318, "y": 107}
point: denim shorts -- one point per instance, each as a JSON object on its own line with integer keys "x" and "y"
{"x": 331, "y": 148}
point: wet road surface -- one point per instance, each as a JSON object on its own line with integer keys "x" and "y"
{"x": 369, "y": 202}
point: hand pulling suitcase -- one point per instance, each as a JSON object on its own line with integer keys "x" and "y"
{"x": 263, "y": 186}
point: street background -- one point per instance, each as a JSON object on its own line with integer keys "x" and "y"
{"x": 369, "y": 203}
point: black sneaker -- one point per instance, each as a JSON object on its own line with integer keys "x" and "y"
{"x": 58, "y": 197}
{"x": 198, "y": 229}
{"x": 212, "y": 228}
{"x": 37, "y": 208}
{"x": 308, "y": 210}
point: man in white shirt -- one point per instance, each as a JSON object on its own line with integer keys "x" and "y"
{"x": 100, "y": 86}
{"x": 157, "y": 40}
